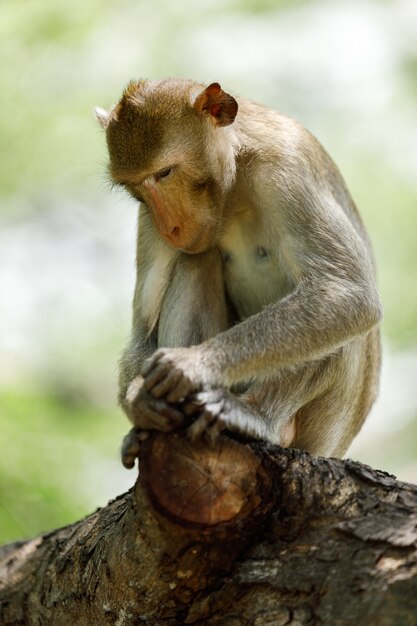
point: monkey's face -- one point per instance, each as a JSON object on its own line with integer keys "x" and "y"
{"x": 182, "y": 196}
{"x": 165, "y": 150}
{"x": 185, "y": 208}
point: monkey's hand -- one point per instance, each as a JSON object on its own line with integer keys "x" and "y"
{"x": 146, "y": 413}
{"x": 175, "y": 373}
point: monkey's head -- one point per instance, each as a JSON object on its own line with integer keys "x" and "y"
{"x": 170, "y": 147}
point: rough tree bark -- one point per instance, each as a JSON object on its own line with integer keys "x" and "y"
{"x": 229, "y": 535}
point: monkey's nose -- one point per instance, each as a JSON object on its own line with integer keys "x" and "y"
{"x": 173, "y": 235}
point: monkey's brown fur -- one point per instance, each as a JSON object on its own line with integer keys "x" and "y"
{"x": 255, "y": 306}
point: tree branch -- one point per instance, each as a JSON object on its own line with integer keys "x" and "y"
{"x": 228, "y": 535}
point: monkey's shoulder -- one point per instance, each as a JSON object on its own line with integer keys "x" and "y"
{"x": 279, "y": 153}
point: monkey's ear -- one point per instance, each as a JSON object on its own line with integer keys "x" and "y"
{"x": 102, "y": 117}
{"x": 221, "y": 106}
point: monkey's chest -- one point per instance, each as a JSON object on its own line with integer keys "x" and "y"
{"x": 254, "y": 277}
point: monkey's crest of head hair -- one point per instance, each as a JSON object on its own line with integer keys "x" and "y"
{"x": 134, "y": 93}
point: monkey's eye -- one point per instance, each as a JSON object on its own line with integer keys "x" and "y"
{"x": 201, "y": 185}
{"x": 163, "y": 173}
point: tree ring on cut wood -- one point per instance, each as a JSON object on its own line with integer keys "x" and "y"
{"x": 198, "y": 484}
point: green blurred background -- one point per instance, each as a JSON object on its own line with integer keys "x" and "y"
{"x": 346, "y": 70}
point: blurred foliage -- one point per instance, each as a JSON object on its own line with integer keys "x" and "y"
{"x": 42, "y": 98}
{"x": 59, "y": 437}
{"x": 388, "y": 205}
{"x": 263, "y": 6}
{"x": 50, "y": 461}
{"x": 410, "y": 74}
{"x": 397, "y": 450}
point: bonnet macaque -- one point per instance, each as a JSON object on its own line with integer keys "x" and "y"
{"x": 255, "y": 308}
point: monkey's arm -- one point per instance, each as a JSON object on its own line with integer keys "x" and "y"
{"x": 153, "y": 259}
{"x": 334, "y": 301}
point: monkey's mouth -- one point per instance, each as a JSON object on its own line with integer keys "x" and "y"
{"x": 202, "y": 243}
{"x": 194, "y": 245}
{"x": 194, "y": 249}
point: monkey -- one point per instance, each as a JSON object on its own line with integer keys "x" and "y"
{"x": 256, "y": 309}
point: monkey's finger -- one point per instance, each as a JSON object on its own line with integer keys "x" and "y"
{"x": 175, "y": 386}
{"x": 141, "y": 406}
{"x": 156, "y": 421}
{"x": 213, "y": 431}
{"x": 175, "y": 416}
{"x": 200, "y": 425}
{"x": 146, "y": 417}
{"x": 143, "y": 435}
{"x": 197, "y": 401}
{"x": 183, "y": 389}
{"x": 133, "y": 389}
{"x": 130, "y": 448}
{"x": 155, "y": 376}
{"x": 150, "y": 363}
{"x": 157, "y": 405}
{"x": 147, "y": 365}
{"x": 159, "y": 415}
{"x": 191, "y": 408}
{"x": 167, "y": 383}
{"x": 128, "y": 460}
{"x": 194, "y": 431}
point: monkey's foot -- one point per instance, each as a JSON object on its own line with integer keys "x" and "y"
{"x": 131, "y": 446}
{"x": 210, "y": 406}
{"x": 219, "y": 409}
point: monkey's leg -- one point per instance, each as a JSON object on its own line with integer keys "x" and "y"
{"x": 328, "y": 423}
{"x": 194, "y": 307}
